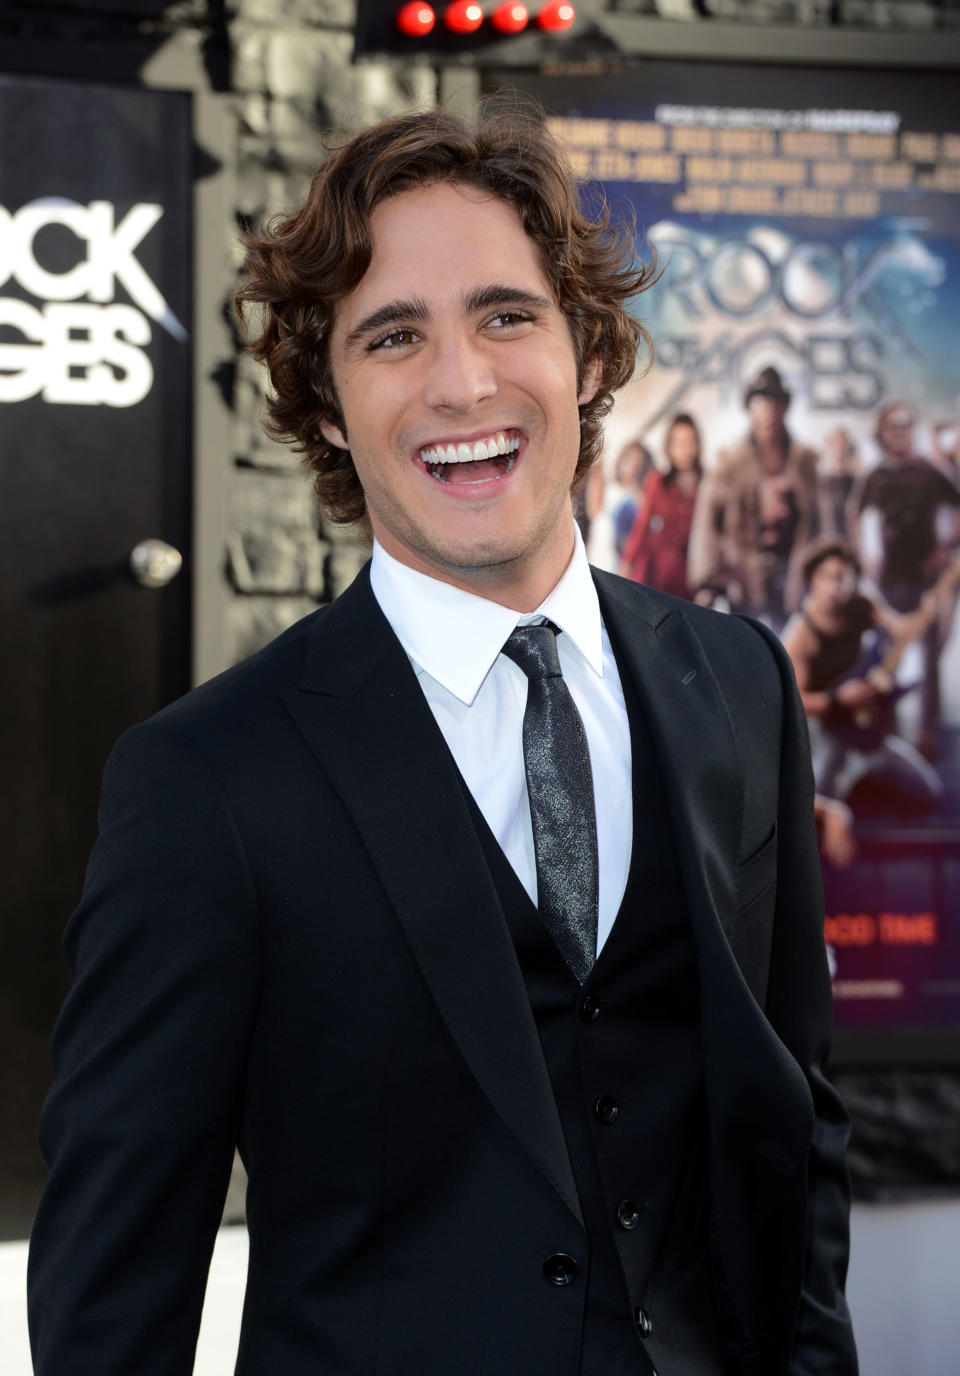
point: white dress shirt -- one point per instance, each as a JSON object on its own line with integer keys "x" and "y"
{"x": 453, "y": 640}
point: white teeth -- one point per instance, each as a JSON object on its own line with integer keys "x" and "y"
{"x": 464, "y": 452}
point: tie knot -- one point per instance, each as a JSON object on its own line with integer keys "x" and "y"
{"x": 534, "y": 650}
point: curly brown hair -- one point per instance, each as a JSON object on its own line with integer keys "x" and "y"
{"x": 820, "y": 550}
{"x": 300, "y": 266}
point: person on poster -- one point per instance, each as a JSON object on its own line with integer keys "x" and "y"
{"x": 482, "y": 908}
{"x": 633, "y": 464}
{"x": 655, "y": 551}
{"x": 758, "y": 503}
{"x": 908, "y": 493}
{"x": 836, "y": 642}
{"x": 840, "y": 468}
{"x": 945, "y": 435}
{"x": 837, "y": 832}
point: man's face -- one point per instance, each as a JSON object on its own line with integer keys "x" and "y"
{"x": 896, "y": 433}
{"x": 766, "y": 418}
{"x": 832, "y": 583}
{"x": 457, "y": 382}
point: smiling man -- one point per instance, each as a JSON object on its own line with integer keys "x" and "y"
{"x": 482, "y": 908}
{"x": 462, "y": 393}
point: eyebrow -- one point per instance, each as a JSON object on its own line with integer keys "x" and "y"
{"x": 498, "y": 294}
{"x": 416, "y": 309}
{"x": 393, "y": 313}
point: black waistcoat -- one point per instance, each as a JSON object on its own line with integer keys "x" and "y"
{"x": 625, "y": 1061}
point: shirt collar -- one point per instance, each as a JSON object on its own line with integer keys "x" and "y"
{"x": 455, "y": 636}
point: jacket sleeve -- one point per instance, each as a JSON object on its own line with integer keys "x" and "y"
{"x": 799, "y": 1007}
{"x": 149, "y": 1058}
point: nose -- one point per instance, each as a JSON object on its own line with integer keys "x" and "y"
{"x": 460, "y": 374}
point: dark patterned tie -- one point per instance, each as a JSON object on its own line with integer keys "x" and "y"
{"x": 560, "y": 787}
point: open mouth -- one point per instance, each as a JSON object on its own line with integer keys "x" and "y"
{"x": 472, "y": 462}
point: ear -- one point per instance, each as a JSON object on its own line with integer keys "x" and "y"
{"x": 333, "y": 434}
{"x": 591, "y": 381}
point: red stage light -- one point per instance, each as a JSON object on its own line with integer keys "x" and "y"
{"x": 416, "y": 19}
{"x": 510, "y": 18}
{"x": 463, "y": 16}
{"x": 556, "y": 15}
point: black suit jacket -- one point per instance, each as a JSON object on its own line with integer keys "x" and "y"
{"x": 289, "y": 938}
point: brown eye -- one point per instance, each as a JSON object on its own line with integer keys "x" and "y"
{"x": 396, "y": 339}
{"x": 504, "y": 319}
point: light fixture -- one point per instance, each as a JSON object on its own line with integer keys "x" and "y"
{"x": 556, "y": 16}
{"x": 511, "y": 17}
{"x": 416, "y": 19}
{"x": 463, "y": 16}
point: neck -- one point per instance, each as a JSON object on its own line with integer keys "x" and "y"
{"x": 773, "y": 447}
{"x": 520, "y": 584}
{"x": 520, "y": 590}
{"x": 829, "y": 611}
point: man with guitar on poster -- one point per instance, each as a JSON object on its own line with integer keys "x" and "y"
{"x": 846, "y": 647}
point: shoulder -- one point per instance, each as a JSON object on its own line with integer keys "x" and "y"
{"x": 766, "y": 656}
{"x": 863, "y": 612}
{"x": 732, "y": 459}
{"x": 803, "y": 455}
{"x": 715, "y": 630}
{"x": 880, "y": 478}
{"x": 252, "y": 680}
{"x": 652, "y": 482}
{"x": 943, "y": 488}
{"x": 222, "y": 726}
{"x": 869, "y": 488}
{"x": 636, "y": 599}
{"x": 748, "y": 667}
{"x": 243, "y": 709}
{"x": 799, "y": 635}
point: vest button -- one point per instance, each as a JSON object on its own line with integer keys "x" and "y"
{"x": 628, "y": 1215}
{"x": 644, "y": 1323}
{"x": 606, "y": 1108}
{"x": 589, "y": 1008}
{"x": 560, "y": 1269}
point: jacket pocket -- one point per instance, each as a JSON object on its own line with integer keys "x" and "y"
{"x": 757, "y": 873}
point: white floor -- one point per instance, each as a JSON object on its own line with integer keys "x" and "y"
{"x": 904, "y": 1288}
{"x": 903, "y": 1291}
{"x": 217, "y": 1348}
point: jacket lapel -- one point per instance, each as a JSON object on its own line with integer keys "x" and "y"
{"x": 363, "y": 715}
{"x": 746, "y": 1067}
{"x": 704, "y": 778}
{"x": 692, "y": 729}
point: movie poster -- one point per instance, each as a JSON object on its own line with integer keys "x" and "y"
{"x": 794, "y": 450}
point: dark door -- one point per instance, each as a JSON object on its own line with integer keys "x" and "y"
{"x": 95, "y": 242}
